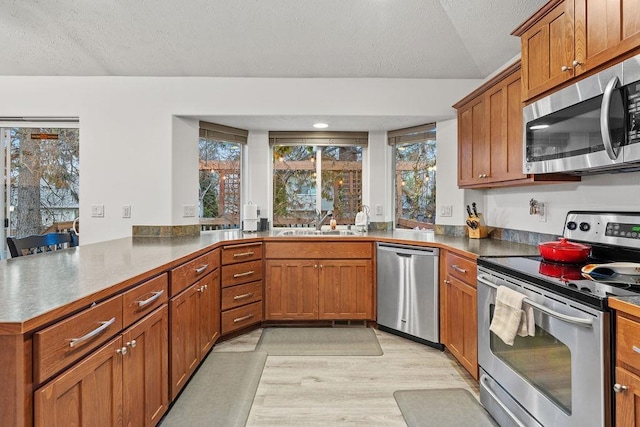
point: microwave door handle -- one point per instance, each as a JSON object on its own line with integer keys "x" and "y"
{"x": 605, "y": 108}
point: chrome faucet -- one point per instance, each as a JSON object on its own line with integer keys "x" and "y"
{"x": 321, "y": 219}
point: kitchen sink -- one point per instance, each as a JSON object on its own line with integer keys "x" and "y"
{"x": 316, "y": 233}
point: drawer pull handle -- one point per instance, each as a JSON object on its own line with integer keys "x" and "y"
{"x": 243, "y": 254}
{"x": 149, "y": 300}
{"x": 237, "y": 297}
{"x": 240, "y": 319}
{"x": 103, "y": 326}
{"x": 636, "y": 349}
{"x": 246, "y": 273}
{"x": 201, "y": 269}
{"x": 458, "y": 269}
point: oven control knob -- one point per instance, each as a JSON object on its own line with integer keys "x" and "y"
{"x": 584, "y": 226}
{"x": 571, "y": 225}
{"x": 619, "y": 388}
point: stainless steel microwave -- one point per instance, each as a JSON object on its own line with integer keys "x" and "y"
{"x": 591, "y": 126}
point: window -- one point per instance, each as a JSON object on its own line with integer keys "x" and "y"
{"x": 415, "y": 176}
{"x": 41, "y": 179}
{"x": 219, "y": 176}
{"x": 316, "y": 172}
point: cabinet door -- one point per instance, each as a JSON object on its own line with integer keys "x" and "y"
{"x": 605, "y": 29}
{"x": 184, "y": 312}
{"x": 345, "y": 290}
{"x": 88, "y": 394}
{"x": 209, "y": 330}
{"x": 473, "y": 151}
{"x": 146, "y": 370}
{"x": 462, "y": 324}
{"x": 547, "y": 48}
{"x": 628, "y": 401}
{"x": 504, "y": 129}
{"x": 291, "y": 289}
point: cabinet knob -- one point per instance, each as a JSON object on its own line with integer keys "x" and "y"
{"x": 619, "y": 388}
{"x": 122, "y": 351}
{"x": 565, "y": 68}
{"x": 576, "y": 63}
{"x": 446, "y": 282}
{"x": 132, "y": 343}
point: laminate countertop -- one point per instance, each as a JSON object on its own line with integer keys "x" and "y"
{"x": 40, "y": 288}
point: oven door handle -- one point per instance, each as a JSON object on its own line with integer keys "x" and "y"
{"x": 571, "y": 319}
{"x": 484, "y": 379}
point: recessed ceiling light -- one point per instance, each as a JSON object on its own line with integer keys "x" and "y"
{"x": 536, "y": 127}
{"x": 320, "y": 125}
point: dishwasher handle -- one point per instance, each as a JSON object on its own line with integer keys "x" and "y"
{"x": 407, "y": 251}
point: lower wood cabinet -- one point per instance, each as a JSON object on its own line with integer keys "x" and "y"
{"x": 125, "y": 382}
{"x": 627, "y": 399}
{"x": 195, "y": 326}
{"x": 459, "y": 311}
{"x": 319, "y": 289}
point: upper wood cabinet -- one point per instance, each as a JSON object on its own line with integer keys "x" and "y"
{"x": 567, "y": 38}
{"x": 490, "y": 138}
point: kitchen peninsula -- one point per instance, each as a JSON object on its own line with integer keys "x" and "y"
{"x": 46, "y": 291}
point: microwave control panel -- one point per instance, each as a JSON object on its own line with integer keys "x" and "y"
{"x": 633, "y": 108}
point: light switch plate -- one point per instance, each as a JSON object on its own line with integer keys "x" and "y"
{"x": 126, "y": 211}
{"x": 188, "y": 211}
{"x": 446, "y": 210}
{"x": 379, "y": 210}
{"x": 97, "y": 211}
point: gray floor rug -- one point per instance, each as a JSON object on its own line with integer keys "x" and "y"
{"x": 319, "y": 342}
{"x": 451, "y": 407}
{"x": 221, "y": 393}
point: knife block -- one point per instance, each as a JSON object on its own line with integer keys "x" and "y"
{"x": 481, "y": 231}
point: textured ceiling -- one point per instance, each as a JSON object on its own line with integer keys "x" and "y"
{"x": 260, "y": 38}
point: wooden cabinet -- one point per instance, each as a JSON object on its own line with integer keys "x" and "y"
{"x": 325, "y": 289}
{"x": 195, "y": 326}
{"x": 345, "y": 290}
{"x": 626, "y": 386}
{"x": 490, "y": 139}
{"x": 567, "y": 38}
{"x": 242, "y": 269}
{"x": 90, "y": 394}
{"x": 123, "y": 383}
{"x": 459, "y": 310}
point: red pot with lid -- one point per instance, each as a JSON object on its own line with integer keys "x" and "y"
{"x": 564, "y": 251}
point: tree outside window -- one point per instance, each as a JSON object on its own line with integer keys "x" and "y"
{"x": 309, "y": 179}
{"x": 415, "y": 171}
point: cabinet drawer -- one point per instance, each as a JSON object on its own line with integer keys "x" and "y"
{"x": 628, "y": 342}
{"x": 462, "y": 268}
{"x": 235, "y": 296}
{"x": 242, "y": 316}
{"x": 241, "y": 253}
{"x": 184, "y": 276}
{"x": 143, "y": 299}
{"x": 319, "y": 250}
{"x": 245, "y": 272}
{"x": 69, "y": 340}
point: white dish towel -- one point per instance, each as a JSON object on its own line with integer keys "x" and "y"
{"x": 512, "y": 317}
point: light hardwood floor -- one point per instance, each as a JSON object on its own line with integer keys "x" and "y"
{"x": 353, "y": 390}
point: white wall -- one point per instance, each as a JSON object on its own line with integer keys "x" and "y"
{"x": 133, "y": 151}
{"x": 509, "y": 207}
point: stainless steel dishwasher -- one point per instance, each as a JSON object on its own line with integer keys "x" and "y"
{"x": 407, "y": 282}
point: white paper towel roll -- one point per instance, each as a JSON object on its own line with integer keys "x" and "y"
{"x": 250, "y": 211}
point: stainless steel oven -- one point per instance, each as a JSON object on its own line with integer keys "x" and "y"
{"x": 561, "y": 376}
{"x": 555, "y": 378}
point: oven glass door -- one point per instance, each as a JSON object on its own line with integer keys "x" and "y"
{"x": 544, "y": 360}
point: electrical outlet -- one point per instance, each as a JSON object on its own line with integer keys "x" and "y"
{"x": 126, "y": 211}
{"x": 188, "y": 211}
{"x": 542, "y": 213}
{"x": 446, "y": 210}
{"x": 97, "y": 211}
{"x": 379, "y": 210}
